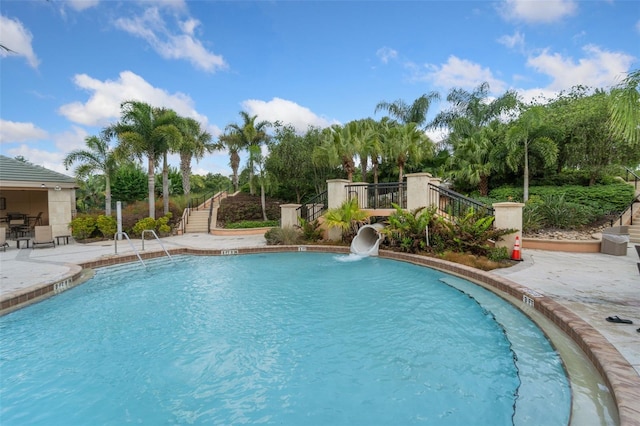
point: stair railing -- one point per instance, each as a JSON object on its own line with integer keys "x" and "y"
{"x": 628, "y": 211}
{"x": 636, "y": 178}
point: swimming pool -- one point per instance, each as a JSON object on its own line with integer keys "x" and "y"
{"x": 289, "y": 338}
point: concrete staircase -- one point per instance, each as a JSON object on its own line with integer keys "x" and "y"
{"x": 198, "y": 221}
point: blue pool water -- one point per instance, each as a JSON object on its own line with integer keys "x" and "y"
{"x": 287, "y": 338}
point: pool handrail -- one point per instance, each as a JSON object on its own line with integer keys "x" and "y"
{"x": 157, "y": 238}
{"x": 115, "y": 239}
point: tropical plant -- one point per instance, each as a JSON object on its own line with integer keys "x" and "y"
{"x": 98, "y": 157}
{"x": 145, "y": 131}
{"x": 407, "y": 230}
{"x": 311, "y": 230}
{"x": 249, "y": 134}
{"x": 195, "y": 142}
{"x": 407, "y": 143}
{"x": 348, "y": 218}
{"x": 415, "y": 113}
{"x": 468, "y": 233}
{"x": 338, "y": 148}
{"x": 625, "y": 109}
{"x": 529, "y": 136}
{"x": 233, "y": 143}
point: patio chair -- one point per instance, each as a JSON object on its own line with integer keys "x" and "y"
{"x": 3, "y": 238}
{"x": 44, "y": 236}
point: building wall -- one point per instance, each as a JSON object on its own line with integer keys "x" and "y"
{"x": 29, "y": 202}
{"x": 61, "y": 204}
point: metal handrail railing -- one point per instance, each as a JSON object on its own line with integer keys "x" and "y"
{"x": 219, "y": 196}
{"x": 636, "y": 179}
{"x": 455, "y": 204}
{"x": 156, "y": 236}
{"x": 313, "y": 208}
{"x": 628, "y": 210}
{"x": 378, "y": 195}
{"x": 130, "y": 243}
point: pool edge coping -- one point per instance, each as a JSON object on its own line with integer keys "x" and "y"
{"x": 621, "y": 378}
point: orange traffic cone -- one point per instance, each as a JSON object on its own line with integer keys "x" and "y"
{"x": 515, "y": 254}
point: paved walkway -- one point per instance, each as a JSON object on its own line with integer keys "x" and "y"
{"x": 594, "y": 286}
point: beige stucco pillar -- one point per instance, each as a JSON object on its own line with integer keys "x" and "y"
{"x": 336, "y": 193}
{"x": 60, "y": 203}
{"x": 508, "y": 216}
{"x": 418, "y": 193}
{"x": 289, "y": 214}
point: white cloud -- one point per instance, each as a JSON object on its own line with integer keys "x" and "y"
{"x": 515, "y": 41}
{"x": 14, "y": 36}
{"x": 599, "y": 68}
{"x": 80, "y": 5}
{"x": 103, "y": 107}
{"x": 460, "y": 73}
{"x": 71, "y": 139}
{"x": 169, "y": 44}
{"x": 12, "y": 132}
{"x": 537, "y": 11}
{"x": 50, "y": 160}
{"x": 286, "y": 112}
{"x": 385, "y": 54}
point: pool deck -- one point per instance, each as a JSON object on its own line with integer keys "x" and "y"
{"x": 593, "y": 286}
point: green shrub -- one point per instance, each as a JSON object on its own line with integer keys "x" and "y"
{"x": 283, "y": 236}
{"x": 498, "y": 254}
{"x": 107, "y": 225}
{"x": 311, "y": 231}
{"x": 251, "y": 224}
{"x": 142, "y": 225}
{"x": 83, "y": 227}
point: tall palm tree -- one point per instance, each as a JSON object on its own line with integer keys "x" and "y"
{"x": 98, "y": 157}
{"x": 168, "y": 143}
{"x": 407, "y": 142}
{"x": 144, "y": 131}
{"x": 416, "y": 112}
{"x": 195, "y": 143}
{"x": 249, "y": 134}
{"x": 528, "y": 135}
{"x": 471, "y": 121}
{"x": 233, "y": 144}
{"x": 338, "y": 148}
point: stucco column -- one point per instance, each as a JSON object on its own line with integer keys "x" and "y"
{"x": 60, "y": 204}
{"x": 336, "y": 192}
{"x": 508, "y": 216}
{"x": 418, "y": 193}
{"x": 289, "y": 215}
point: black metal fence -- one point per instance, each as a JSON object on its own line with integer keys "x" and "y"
{"x": 378, "y": 196}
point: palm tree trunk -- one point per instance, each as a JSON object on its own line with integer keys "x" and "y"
{"x": 152, "y": 186}
{"x": 483, "y": 186}
{"x": 263, "y": 201}
{"x": 165, "y": 184}
{"x": 363, "y": 167}
{"x": 107, "y": 195}
{"x": 185, "y": 169}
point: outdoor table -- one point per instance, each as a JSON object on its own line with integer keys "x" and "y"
{"x": 62, "y": 237}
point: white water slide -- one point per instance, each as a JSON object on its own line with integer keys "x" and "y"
{"x": 367, "y": 241}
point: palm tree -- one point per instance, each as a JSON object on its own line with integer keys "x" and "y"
{"x": 169, "y": 143}
{"x": 99, "y": 157}
{"x": 528, "y": 136}
{"x": 472, "y": 159}
{"x": 249, "y": 134}
{"x": 144, "y": 131}
{"x": 405, "y": 113}
{"x": 469, "y": 121}
{"x": 338, "y": 148}
{"x": 407, "y": 142}
{"x": 195, "y": 143}
{"x": 625, "y": 108}
{"x": 233, "y": 143}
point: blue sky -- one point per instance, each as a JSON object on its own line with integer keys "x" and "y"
{"x": 300, "y": 62}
